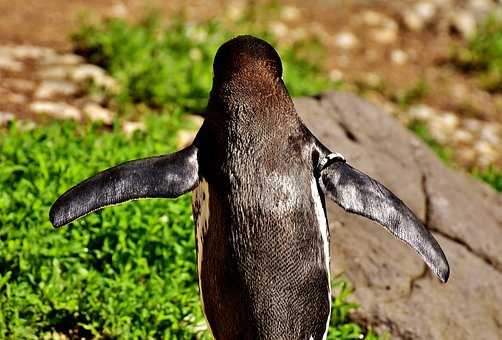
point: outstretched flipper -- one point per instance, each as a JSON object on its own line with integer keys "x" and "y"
{"x": 165, "y": 176}
{"x": 358, "y": 193}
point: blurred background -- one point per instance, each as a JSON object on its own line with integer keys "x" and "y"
{"x": 87, "y": 84}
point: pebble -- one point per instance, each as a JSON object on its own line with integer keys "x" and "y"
{"x": 335, "y": 75}
{"x": 63, "y": 59}
{"x": 6, "y": 117}
{"x": 279, "y": 29}
{"x": 119, "y": 10}
{"x": 372, "y": 18}
{"x": 10, "y": 64}
{"x": 385, "y": 35}
{"x": 97, "y": 113}
{"x": 463, "y": 22}
{"x": 421, "y": 14}
{"x": 28, "y": 52}
{"x": 235, "y": 9}
{"x": 58, "y": 110}
{"x": 54, "y": 72}
{"x": 346, "y": 40}
{"x": 21, "y": 85}
{"x": 290, "y": 13}
{"x": 185, "y": 138}
{"x": 487, "y": 153}
{"x": 472, "y": 124}
{"x": 449, "y": 121}
{"x": 52, "y": 88}
{"x": 17, "y": 98}
{"x": 94, "y": 73}
{"x": 130, "y": 127}
{"x": 481, "y": 6}
{"x": 421, "y": 112}
{"x": 399, "y": 57}
{"x": 491, "y": 133}
{"x": 462, "y": 136}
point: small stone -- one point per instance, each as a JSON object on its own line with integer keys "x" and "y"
{"x": 335, "y": 75}
{"x": 425, "y": 10}
{"x": 185, "y": 138}
{"x": 419, "y": 16}
{"x": 372, "y": 79}
{"x": 119, "y": 10}
{"x": 346, "y": 40}
{"x": 130, "y": 127}
{"x": 58, "y": 110}
{"x": 422, "y": 112}
{"x": 30, "y": 52}
{"x": 9, "y": 64}
{"x": 467, "y": 155}
{"x": 54, "y": 72}
{"x": 413, "y": 21}
{"x": 236, "y": 9}
{"x": 21, "y": 85}
{"x": 97, "y": 113}
{"x": 385, "y": 35}
{"x": 6, "y": 117}
{"x": 17, "y": 98}
{"x": 462, "y": 136}
{"x": 95, "y": 74}
{"x": 53, "y": 88}
{"x": 450, "y": 121}
{"x": 464, "y": 23}
{"x": 63, "y": 59}
{"x": 279, "y": 29}
{"x": 372, "y": 18}
{"x": 481, "y": 6}
{"x": 472, "y": 124}
{"x": 487, "y": 153}
{"x": 491, "y": 133}
{"x": 290, "y": 13}
{"x": 398, "y": 57}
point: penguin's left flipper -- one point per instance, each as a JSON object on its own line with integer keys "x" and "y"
{"x": 165, "y": 176}
{"x": 358, "y": 193}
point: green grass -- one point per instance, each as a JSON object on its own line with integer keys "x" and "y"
{"x": 491, "y": 176}
{"x": 483, "y": 54}
{"x": 124, "y": 272}
{"x": 171, "y": 64}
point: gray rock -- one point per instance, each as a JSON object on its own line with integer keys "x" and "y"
{"x": 392, "y": 284}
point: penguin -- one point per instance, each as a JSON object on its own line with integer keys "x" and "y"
{"x": 259, "y": 179}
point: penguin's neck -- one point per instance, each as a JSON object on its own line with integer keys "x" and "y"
{"x": 251, "y": 101}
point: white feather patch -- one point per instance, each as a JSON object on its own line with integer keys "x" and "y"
{"x": 323, "y": 226}
{"x": 200, "y": 207}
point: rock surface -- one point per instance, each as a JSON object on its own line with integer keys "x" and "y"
{"x": 393, "y": 286}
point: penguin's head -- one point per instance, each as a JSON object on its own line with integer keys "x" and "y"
{"x": 246, "y": 55}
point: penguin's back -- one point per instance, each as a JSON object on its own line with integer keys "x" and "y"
{"x": 262, "y": 242}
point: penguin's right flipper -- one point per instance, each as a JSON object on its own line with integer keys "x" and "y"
{"x": 358, "y": 193}
{"x": 165, "y": 176}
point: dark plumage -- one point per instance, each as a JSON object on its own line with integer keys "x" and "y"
{"x": 258, "y": 176}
